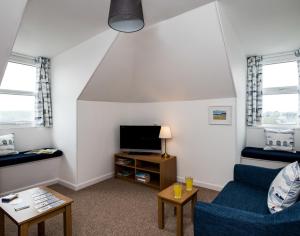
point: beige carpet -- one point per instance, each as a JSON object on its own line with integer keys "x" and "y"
{"x": 116, "y": 207}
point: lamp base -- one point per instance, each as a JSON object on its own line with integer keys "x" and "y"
{"x": 165, "y": 155}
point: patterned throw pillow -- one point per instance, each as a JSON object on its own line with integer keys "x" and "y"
{"x": 7, "y": 145}
{"x": 285, "y": 188}
{"x": 282, "y": 140}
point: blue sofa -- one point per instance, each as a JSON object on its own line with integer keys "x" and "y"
{"x": 241, "y": 208}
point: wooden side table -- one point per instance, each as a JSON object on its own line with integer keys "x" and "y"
{"x": 167, "y": 196}
{"x": 27, "y": 217}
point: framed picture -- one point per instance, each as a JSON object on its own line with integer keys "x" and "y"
{"x": 220, "y": 115}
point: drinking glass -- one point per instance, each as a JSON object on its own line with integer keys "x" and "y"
{"x": 189, "y": 183}
{"x": 177, "y": 191}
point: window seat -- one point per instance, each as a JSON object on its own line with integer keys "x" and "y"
{"x": 260, "y": 153}
{"x": 22, "y": 157}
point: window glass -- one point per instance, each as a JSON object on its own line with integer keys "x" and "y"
{"x": 19, "y": 77}
{"x": 16, "y": 108}
{"x": 280, "y": 109}
{"x": 280, "y": 75}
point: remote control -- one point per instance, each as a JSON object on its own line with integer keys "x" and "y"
{"x": 9, "y": 197}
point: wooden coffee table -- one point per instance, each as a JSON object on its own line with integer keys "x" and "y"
{"x": 167, "y": 196}
{"x": 27, "y": 217}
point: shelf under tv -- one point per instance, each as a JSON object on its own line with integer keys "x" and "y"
{"x": 162, "y": 172}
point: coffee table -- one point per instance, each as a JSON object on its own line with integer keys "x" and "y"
{"x": 167, "y": 196}
{"x": 27, "y": 217}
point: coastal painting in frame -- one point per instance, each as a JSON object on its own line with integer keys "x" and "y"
{"x": 220, "y": 115}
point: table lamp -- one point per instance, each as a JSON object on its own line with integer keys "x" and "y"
{"x": 165, "y": 133}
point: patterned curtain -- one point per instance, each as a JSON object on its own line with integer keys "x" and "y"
{"x": 297, "y": 54}
{"x": 254, "y": 90}
{"x": 43, "y": 106}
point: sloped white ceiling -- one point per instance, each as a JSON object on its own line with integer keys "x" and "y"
{"x": 11, "y": 12}
{"x": 265, "y": 26}
{"x": 53, "y": 26}
{"x": 180, "y": 59}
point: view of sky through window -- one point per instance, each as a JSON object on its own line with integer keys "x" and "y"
{"x": 17, "y": 108}
{"x": 280, "y": 109}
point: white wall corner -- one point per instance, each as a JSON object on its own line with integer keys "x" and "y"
{"x": 93, "y": 181}
{"x": 202, "y": 184}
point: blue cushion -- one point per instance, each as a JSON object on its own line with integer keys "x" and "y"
{"x": 272, "y": 155}
{"x": 22, "y": 157}
{"x": 244, "y": 197}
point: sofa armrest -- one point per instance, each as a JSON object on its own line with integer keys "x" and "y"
{"x": 255, "y": 176}
{"x": 286, "y": 222}
{"x": 218, "y": 220}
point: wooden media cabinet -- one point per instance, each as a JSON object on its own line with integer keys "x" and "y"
{"x": 162, "y": 172}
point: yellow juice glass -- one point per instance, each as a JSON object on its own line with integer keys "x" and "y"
{"x": 189, "y": 183}
{"x": 177, "y": 191}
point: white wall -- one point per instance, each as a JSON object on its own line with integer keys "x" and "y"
{"x": 206, "y": 152}
{"x": 30, "y": 138}
{"x": 70, "y": 72}
{"x": 256, "y": 137}
{"x": 19, "y": 176}
{"x": 174, "y": 60}
{"x": 98, "y": 138}
{"x": 238, "y": 66}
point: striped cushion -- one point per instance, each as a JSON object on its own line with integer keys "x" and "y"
{"x": 285, "y": 188}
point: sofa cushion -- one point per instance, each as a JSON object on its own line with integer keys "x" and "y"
{"x": 244, "y": 197}
{"x": 24, "y": 157}
{"x": 281, "y": 140}
{"x": 285, "y": 189}
{"x": 7, "y": 145}
{"x": 273, "y": 155}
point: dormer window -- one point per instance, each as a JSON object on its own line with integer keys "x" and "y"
{"x": 18, "y": 91}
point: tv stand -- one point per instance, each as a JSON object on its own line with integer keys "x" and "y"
{"x": 162, "y": 172}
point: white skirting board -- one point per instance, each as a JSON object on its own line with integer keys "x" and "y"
{"x": 64, "y": 183}
{"x": 85, "y": 184}
{"x": 44, "y": 183}
{"x": 77, "y": 187}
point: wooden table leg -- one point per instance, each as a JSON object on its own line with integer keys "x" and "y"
{"x": 179, "y": 219}
{"x": 23, "y": 230}
{"x": 161, "y": 213}
{"x": 2, "y": 223}
{"x": 193, "y": 203}
{"x": 41, "y": 228}
{"x": 68, "y": 221}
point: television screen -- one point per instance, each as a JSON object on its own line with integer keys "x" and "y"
{"x": 140, "y": 138}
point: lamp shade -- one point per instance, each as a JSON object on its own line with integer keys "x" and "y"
{"x": 165, "y": 132}
{"x": 126, "y": 15}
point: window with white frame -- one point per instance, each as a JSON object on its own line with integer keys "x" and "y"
{"x": 17, "y": 92}
{"x": 280, "y": 78}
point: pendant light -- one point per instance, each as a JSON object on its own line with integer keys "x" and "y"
{"x": 126, "y": 15}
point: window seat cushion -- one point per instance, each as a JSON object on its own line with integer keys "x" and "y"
{"x": 272, "y": 155}
{"x": 22, "y": 157}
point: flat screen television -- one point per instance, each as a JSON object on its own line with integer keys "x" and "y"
{"x": 140, "y": 138}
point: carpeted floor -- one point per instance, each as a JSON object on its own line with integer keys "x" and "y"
{"x": 115, "y": 207}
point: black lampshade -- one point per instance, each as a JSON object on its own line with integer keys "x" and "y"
{"x": 126, "y": 15}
